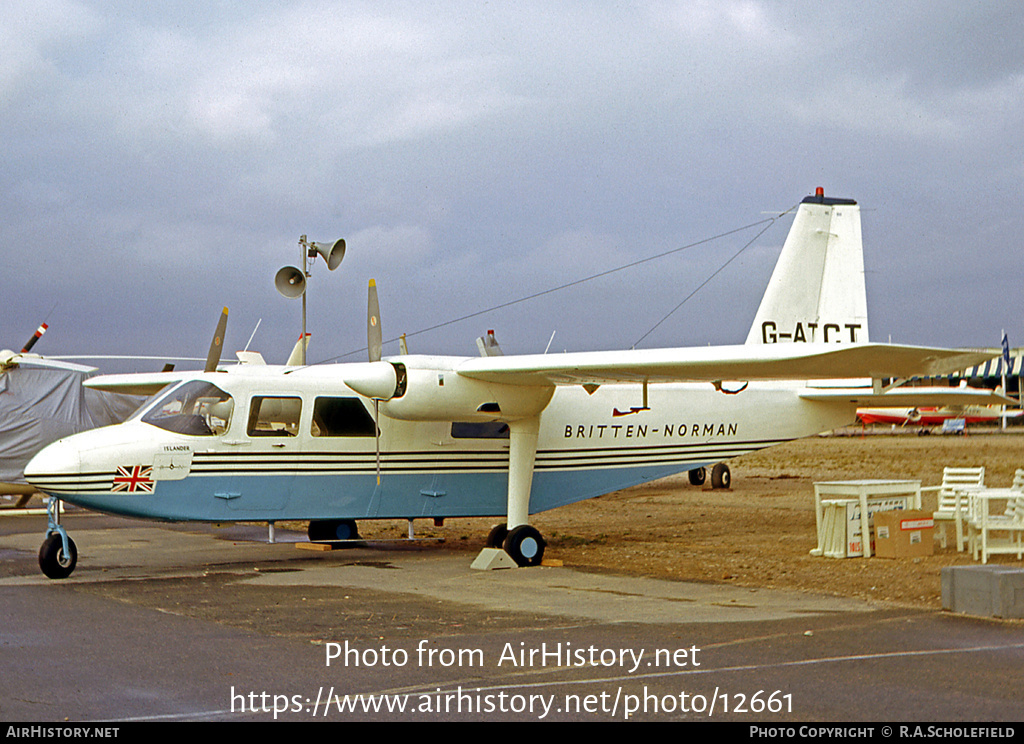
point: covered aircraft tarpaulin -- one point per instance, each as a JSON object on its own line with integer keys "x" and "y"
{"x": 42, "y": 400}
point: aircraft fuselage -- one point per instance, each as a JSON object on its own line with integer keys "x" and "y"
{"x": 302, "y": 446}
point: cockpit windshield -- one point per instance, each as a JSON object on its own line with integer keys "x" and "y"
{"x": 196, "y": 408}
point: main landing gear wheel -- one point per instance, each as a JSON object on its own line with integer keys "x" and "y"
{"x": 525, "y": 545}
{"x": 698, "y": 476}
{"x": 331, "y": 530}
{"x": 54, "y": 563}
{"x": 496, "y": 537}
{"x": 720, "y": 476}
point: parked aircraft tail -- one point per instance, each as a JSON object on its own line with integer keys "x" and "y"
{"x": 298, "y": 356}
{"x": 816, "y": 293}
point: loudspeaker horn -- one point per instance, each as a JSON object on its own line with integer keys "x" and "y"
{"x": 332, "y": 252}
{"x": 290, "y": 282}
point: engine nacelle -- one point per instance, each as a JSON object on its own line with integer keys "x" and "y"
{"x": 380, "y": 380}
{"x": 441, "y": 394}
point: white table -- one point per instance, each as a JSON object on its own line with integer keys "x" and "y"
{"x": 865, "y": 491}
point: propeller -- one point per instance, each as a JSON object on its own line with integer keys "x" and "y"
{"x": 374, "y": 334}
{"x": 377, "y": 383}
{"x": 374, "y": 344}
{"x": 217, "y": 345}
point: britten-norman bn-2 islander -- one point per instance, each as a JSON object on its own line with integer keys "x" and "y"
{"x": 436, "y": 437}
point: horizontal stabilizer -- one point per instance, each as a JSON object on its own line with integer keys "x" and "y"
{"x": 711, "y": 363}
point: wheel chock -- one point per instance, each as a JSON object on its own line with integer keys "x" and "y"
{"x": 491, "y": 558}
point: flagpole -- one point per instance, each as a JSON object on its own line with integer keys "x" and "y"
{"x": 1006, "y": 363}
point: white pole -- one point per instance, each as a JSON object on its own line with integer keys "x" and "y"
{"x": 1002, "y": 367}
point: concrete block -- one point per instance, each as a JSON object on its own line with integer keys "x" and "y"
{"x": 986, "y": 591}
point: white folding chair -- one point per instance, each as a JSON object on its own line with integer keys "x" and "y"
{"x": 993, "y": 534}
{"x": 951, "y": 509}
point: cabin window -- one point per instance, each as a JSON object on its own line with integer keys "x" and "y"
{"x": 274, "y": 416}
{"x": 479, "y": 430}
{"x": 196, "y": 408}
{"x": 342, "y": 417}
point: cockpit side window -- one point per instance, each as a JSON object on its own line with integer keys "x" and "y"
{"x": 341, "y": 417}
{"x": 274, "y": 416}
{"x": 196, "y": 408}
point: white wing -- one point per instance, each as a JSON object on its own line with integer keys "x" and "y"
{"x": 746, "y": 362}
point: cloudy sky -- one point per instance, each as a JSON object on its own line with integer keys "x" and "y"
{"x": 161, "y": 160}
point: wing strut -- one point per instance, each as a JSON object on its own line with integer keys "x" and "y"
{"x": 522, "y": 453}
{"x": 523, "y": 543}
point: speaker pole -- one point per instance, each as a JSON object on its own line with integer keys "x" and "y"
{"x": 292, "y": 282}
{"x": 305, "y": 270}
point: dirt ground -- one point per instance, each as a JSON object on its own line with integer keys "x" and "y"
{"x": 760, "y": 532}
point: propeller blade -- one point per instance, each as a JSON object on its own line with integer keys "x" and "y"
{"x": 375, "y": 344}
{"x": 217, "y": 345}
{"x": 35, "y": 337}
{"x": 374, "y": 335}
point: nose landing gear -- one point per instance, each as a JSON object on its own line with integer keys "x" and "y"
{"x": 58, "y": 554}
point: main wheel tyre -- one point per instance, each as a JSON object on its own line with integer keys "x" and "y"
{"x": 720, "y": 476}
{"x": 52, "y": 560}
{"x": 330, "y": 530}
{"x": 496, "y": 537}
{"x": 525, "y": 545}
{"x": 698, "y": 476}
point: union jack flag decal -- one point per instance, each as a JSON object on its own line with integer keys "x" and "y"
{"x": 133, "y": 479}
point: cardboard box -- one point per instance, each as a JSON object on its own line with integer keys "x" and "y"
{"x": 844, "y": 515}
{"x": 904, "y": 533}
{"x": 854, "y": 547}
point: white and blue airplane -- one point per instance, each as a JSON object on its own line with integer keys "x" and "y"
{"x": 505, "y": 436}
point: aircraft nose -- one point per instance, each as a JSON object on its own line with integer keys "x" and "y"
{"x": 55, "y": 467}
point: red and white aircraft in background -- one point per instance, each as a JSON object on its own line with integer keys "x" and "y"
{"x": 936, "y": 415}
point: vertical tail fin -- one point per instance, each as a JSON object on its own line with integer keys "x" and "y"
{"x": 298, "y": 356}
{"x": 816, "y": 293}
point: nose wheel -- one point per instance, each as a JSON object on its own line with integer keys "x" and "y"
{"x": 56, "y": 560}
{"x": 58, "y": 554}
